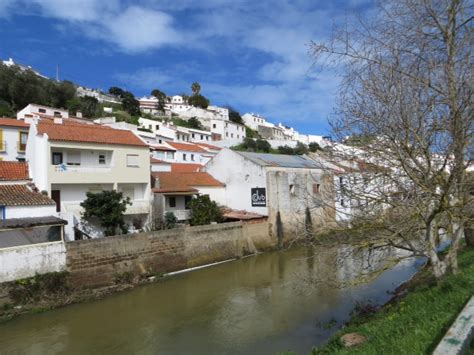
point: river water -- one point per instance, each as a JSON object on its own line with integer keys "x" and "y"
{"x": 262, "y": 304}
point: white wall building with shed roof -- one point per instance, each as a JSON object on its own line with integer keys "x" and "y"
{"x": 282, "y": 187}
{"x": 13, "y": 139}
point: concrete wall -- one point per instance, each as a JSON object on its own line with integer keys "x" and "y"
{"x": 26, "y": 261}
{"x": 98, "y": 262}
{"x": 30, "y": 211}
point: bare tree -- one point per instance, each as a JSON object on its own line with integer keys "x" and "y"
{"x": 407, "y": 94}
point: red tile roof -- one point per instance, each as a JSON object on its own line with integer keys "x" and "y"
{"x": 13, "y": 170}
{"x": 183, "y": 182}
{"x": 185, "y": 167}
{"x": 72, "y": 131}
{"x": 13, "y": 122}
{"x": 161, "y": 148}
{"x": 188, "y": 147}
{"x": 158, "y": 161}
{"x": 21, "y": 195}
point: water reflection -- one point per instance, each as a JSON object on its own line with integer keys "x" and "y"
{"x": 263, "y": 304}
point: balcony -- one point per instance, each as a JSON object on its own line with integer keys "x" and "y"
{"x": 63, "y": 168}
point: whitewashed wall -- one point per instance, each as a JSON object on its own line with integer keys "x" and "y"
{"x": 30, "y": 211}
{"x": 26, "y": 261}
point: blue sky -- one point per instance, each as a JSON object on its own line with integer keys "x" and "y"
{"x": 252, "y": 55}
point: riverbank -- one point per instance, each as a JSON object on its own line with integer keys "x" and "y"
{"x": 416, "y": 322}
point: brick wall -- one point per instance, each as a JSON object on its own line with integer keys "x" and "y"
{"x": 98, "y": 262}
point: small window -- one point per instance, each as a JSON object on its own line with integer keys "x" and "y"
{"x": 187, "y": 200}
{"x": 202, "y": 137}
{"x": 184, "y": 157}
{"x": 172, "y": 201}
{"x": 132, "y": 160}
{"x": 227, "y": 134}
{"x": 192, "y": 157}
{"x": 101, "y": 159}
{"x": 232, "y": 135}
{"x": 57, "y": 158}
{"x": 41, "y": 110}
{"x": 192, "y": 135}
{"x": 57, "y": 114}
{"x": 316, "y": 188}
{"x": 292, "y": 189}
{"x": 170, "y": 155}
{"x": 73, "y": 158}
{"x": 214, "y": 125}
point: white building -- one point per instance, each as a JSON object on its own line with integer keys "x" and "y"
{"x": 282, "y": 187}
{"x": 82, "y": 91}
{"x": 68, "y": 159}
{"x": 149, "y": 104}
{"x": 34, "y": 111}
{"x": 190, "y": 153}
{"x": 253, "y": 120}
{"x": 162, "y": 129}
{"x": 13, "y": 139}
{"x": 228, "y": 132}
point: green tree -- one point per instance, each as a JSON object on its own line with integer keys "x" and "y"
{"x": 108, "y": 207}
{"x": 286, "y": 149}
{"x": 314, "y": 147}
{"x": 234, "y": 115}
{"x": 198, "y": 101}
{"x": 204, "y": 211}
{"x": 196, "y": 88}
{"x": 161, "y": 96}
{"x": 301, "y": 148}
{"x": 130, "y": 104}
{"x": 263, "y": 146}
{"x": 114, "y": 90}
{"x": 170, "y": 220}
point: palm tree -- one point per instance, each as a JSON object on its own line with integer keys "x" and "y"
{"x": 196, "y": 88}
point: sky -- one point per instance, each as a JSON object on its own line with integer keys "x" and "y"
{"x": 252, "y": 54}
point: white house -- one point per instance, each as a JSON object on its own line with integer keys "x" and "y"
{"x": 283, "y": 187}
{"x": 32, "y": 111}
{"x": 227, "y": 133}
{"x": 173, "y": 190}
{"x": 149, "y": 104}
{"x": 68, "y": 159}
{"x": 190, "y": 153}
{"x": 13, "y": 138}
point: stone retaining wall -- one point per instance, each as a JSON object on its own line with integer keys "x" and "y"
{"x": 99, "y": 262}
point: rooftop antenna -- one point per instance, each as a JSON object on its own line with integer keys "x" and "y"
{"x": 57, "y": 72}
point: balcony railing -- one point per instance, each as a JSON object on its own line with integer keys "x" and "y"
{"x": 63, "y": 168}
{"x": 181, "y": 215}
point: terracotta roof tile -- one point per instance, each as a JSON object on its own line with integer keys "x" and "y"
{"x": 21, "y": 195}
{"x": 185, "y": 167}
{"x": 209, "y": 146}
{"x": 13, "y": 122}
{"x": 183, "y": 182}
{"x": 161, "y": 148}
{"x": 13, "y": 170}
{"x": 189, "y": 147}
{"x": 73, "y": 131}
{"x": 158, "y": 161}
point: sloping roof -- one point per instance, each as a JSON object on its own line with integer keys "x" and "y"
{"x": 158, "y": 161}
{"x": 13, "y": 122}
{"x": 280, "y": 160}
{"x": 13, "y": 170}
{"x": 162, "y": 148}
{"x": 241, "y": 214}
{"x": 209, "y": 146}
{"x": 21, "y": 195}
{"x": 70, "y": 131}
{"x": 189, "y": 147}
{"x": 14, "y": 223}
{"x": 185, "y": 167}
{"x": 183, "y": 182}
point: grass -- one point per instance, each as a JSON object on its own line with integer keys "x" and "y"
{"x": 416, "y": 323}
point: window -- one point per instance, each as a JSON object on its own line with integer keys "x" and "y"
{"x": 192, "y": 157}
{"x": 316, "y": 188}
{"x": 192, "y": 135}
{"x": 172, "y": 201}
{"x": 132, "y": 160}
{"x": 213, "y": 125}
{"x": 227, "y": 134}
{"x": 187, "y": 199}
{"x": 22, "y": 141}
{"x": 202, "y": 137}
{"x": 73, "y": 158}
{"x": 170, "y": 155}
{"x": 128, "y": 192}
{"x": 292, "y": 190}
{"x": 57, "y": 114}
{"x": 232, "y": 135}
{"x": 157, "y": 127}
{"x": 101, "y": 159}
{"x": 57, "y": 158}
{"x": 184, "y": 157}
{"x": 41, "y": 110}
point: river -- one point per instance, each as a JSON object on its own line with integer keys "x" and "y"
{"x": 262, "y": 304}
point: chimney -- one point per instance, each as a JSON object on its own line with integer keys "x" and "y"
{"x": 58, "y": 120}
{"x": 78, "y": 114}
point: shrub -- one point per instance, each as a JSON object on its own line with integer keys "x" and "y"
{"x": 204, "y": 211}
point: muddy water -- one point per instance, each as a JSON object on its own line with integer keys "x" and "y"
{"x": 262, "y": 304}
